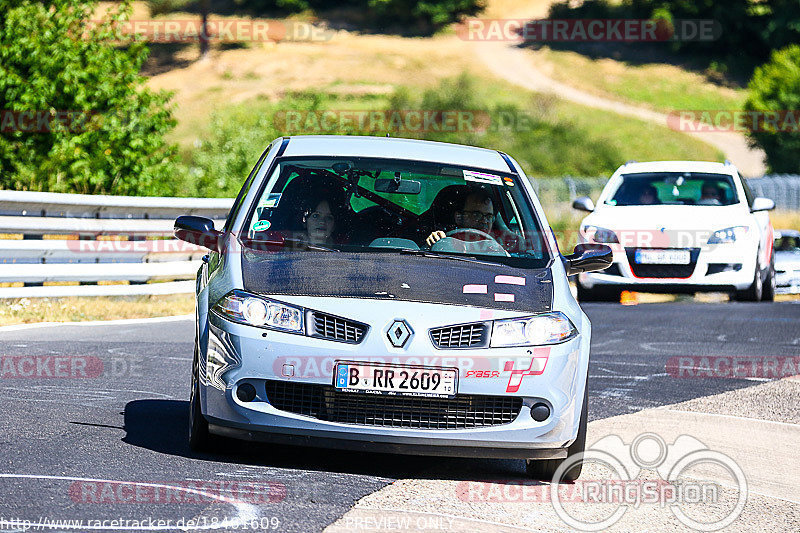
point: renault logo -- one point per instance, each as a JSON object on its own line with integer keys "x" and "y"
{"x": 399, "y": 332}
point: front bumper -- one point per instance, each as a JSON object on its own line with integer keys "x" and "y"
{"x": 713, "y": 268}
{"x": 256, "y": 359}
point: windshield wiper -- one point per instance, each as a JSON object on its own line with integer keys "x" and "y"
{"x": 441, "y": 255}
{"x": 258, "y": 244}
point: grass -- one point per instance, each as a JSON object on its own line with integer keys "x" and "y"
{"x": 659, "y": 86}
{"x": 785, "y": 219}
{"x": 549, "y": 137}
{"x": 77, "y": 309}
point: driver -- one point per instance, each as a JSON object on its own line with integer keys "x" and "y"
{"x": 710, "y": 194}
{"x": 477, "y": 213}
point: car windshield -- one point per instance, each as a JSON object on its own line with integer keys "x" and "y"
{"x": 787, "y": 243}
{"x": 389, "y": 206}
{"x": 674, "y": 188}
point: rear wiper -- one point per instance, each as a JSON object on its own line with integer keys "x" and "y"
{"x": 440, "y": 255}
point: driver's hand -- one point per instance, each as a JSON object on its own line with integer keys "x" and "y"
{"x": 434, "y": 237}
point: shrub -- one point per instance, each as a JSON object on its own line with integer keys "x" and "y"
{"x": 52, "y": 60}
{"x": 775, "y": 86}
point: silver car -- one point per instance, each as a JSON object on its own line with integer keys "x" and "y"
{"x": 787, "y": 261}
{"x": 393, "y": 295}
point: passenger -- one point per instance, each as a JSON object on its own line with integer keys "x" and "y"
{"x": 477, "y": 212}
{"x": 319, "y": 221}
{"x": 648, "y": 196}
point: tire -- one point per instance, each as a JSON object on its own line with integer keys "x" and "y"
{"x": 200, "y": 439}
{"x": 597, "y": 294}
{"x": 768, "y": 294}
{"x": 755, "y": 291}
{"x": 545, "y": 469}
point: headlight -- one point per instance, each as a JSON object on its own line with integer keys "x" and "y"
{"x": 547, "y": 328}
{"x": 253, "y": 310}
{"x": 727, "y": 235}
{"x": 601, "y": 235}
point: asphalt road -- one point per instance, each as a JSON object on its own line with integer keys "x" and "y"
{"x": 67, "y": 443}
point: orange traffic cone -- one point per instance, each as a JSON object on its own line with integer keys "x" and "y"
{"x": 629, "y": 298}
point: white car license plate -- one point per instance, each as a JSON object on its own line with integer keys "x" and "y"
{"x": 662, "y": 257}
{"x": 379, "y": 378}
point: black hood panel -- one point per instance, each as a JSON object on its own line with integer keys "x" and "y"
{"x": 389, "y": 276}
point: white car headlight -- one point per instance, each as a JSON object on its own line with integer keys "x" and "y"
{"x": 257, "y": 311}
{"x": 727, "y": 235}
{"x": 547, "y": 328}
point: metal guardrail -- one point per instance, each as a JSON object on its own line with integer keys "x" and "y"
{"x": 49, "y": 239}
{"x": 54, "y": 244}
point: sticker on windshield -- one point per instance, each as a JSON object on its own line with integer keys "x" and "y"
{"x": 480, "y": 177}
{"x": 261, "y": 225}
{"x": 272, "y": 200}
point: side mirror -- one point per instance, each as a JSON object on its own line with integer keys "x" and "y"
{"x": 588, "y": 258}
{"x": 584, "y": 203}
{"x": 762, "y": 204}
{"x": 198, "y": 230}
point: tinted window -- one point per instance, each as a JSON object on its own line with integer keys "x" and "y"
{"x": 386, "y": 206}
{"x": 677, "y": 188}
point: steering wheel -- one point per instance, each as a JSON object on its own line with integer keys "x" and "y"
{"x": 491, "y": 246}
{"x": 470, "y": 231}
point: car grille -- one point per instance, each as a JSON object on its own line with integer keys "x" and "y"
{"x": 463, "y": 336}
{"x": 335, "y": 328}
{"x": 663, "y": 271}
{"x": 326, "y": 403}
{"x": 716, "y": 268}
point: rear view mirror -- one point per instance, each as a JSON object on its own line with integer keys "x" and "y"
{"x": 762, "y": 204}
{"x": 584, "y": 203}
{"x": 397, "y": 186}
{"x": 198, "y": 230}
{"x": 588, "y": 258}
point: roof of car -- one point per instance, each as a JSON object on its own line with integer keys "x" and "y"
{"x": 395, "y": 148}
{"x": 786, "y": 233}
{"x": 677, "y": 166}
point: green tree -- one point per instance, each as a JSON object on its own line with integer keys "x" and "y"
{"x": 775, "y": 87}
{"x": 98, "y": 130}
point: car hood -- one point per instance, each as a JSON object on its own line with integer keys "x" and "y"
{"x": 397, "y": 277}
{"x": 666, "y": 226}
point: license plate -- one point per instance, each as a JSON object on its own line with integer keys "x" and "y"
{"x": 383, "y": 378}
{"x": 662, "y": 257}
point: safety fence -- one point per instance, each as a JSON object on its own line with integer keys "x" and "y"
{"x": 54, "y": 244}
